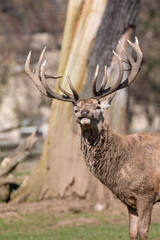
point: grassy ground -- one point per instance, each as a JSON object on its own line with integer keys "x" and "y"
{"x": 71, "y": 226}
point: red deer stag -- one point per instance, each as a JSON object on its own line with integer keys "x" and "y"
{"x": 129, "y": 165}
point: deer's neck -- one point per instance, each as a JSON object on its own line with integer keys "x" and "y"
{"x": 104, "y": 152}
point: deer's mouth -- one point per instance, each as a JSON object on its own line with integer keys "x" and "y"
{"x": 85, "y": 121}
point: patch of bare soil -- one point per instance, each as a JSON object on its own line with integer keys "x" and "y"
{"x": 58, "y": 206}
{"x": 54, "y": 206}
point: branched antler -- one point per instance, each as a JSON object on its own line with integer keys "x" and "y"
{"x": 39, "y": 78}
{"x": 134, "y": 67}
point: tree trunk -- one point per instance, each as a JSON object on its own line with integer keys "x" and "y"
{"x": 92, "y": 30}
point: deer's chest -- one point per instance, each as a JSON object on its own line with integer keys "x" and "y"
{"x": 89, "y": 157}
{"x": 107, "y": 170}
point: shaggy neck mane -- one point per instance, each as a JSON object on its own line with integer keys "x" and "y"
{"x": 102, "y": 136}
{"x": 102, "y": 150}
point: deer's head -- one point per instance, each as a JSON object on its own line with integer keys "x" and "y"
{"x": 88, "y": 111}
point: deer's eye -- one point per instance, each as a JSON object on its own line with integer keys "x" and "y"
{"x": 76, "y": 110}
{"x": 98, "y": 107}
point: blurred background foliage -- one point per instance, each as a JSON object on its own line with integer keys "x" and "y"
{"x": 26, "y": 25}
{"x": 146, "y": 91}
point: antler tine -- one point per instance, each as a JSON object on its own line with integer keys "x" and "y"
{"x": 104, "y": 79}
{"x": 120, "y": 64}
{"x": 64, "y": 91}
{"x": 135, "y": 66}
{"x": 50, "y": 91}
{"x": 33, "y": 76}
{"x": 94, "y": 81}
{"x": 37, "y": 72}
{"x": 75, "y": 94}
{"x": 129, "y": 57}
{"x": 104, "y": 82}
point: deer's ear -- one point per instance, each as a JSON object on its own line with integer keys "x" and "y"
{"x": 107, "y": 102}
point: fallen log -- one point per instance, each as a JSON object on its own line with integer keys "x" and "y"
{"x": 9, "y": 182}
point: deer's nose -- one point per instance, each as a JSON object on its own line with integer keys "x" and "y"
{"x": 84, "y": 112}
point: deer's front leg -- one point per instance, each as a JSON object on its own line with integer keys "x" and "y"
{"x": 133, "y": 223}
{"x": 144, "y": 209}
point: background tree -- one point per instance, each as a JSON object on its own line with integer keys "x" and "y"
{"x": 92, "y": 30}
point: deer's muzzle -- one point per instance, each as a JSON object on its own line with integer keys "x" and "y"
{"x": 85, "y": 121}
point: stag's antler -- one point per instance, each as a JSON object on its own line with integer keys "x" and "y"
{"x": 39, "y": 78}
{"x": 135, "y": 66}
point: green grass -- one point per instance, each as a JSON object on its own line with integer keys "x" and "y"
{"x": 81, "y": 226}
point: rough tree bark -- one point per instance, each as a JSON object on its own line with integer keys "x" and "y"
{"x": 92, "y": 30}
